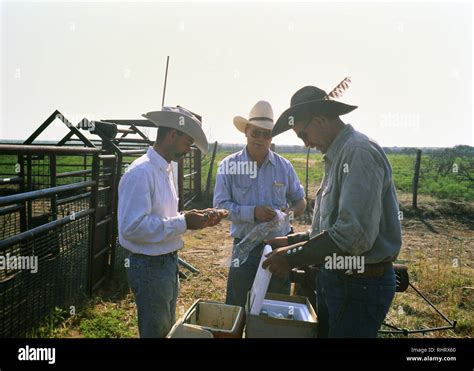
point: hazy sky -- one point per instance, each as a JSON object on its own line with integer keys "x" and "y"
{"x": 410, "y": 63}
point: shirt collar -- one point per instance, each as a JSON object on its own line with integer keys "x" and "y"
{"x": 158, "y": 160}
{"x": 338, "y": 142}
{"x": 269, "y": 158}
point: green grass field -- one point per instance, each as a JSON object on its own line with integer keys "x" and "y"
{"x": 444, "y": 186}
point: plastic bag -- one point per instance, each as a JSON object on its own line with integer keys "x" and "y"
{"x": 279, "y": 226}
{"x": 271, "y": 314}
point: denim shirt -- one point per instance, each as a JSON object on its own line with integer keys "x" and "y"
{"x": 274, "y": 184}
{"x": 357, "y": 202}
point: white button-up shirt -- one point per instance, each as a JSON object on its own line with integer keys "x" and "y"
{"x": 148, "y": 218}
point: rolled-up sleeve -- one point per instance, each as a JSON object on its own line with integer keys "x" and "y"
{"x": 223, "y": 200}
{"x": 295, "y": 189}
{"x": 360, "y": 202}
{"x": 135, "y": 221}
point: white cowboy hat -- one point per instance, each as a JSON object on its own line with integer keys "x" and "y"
{"x": 182, "y": 120}
{"x": 261, "y": 115}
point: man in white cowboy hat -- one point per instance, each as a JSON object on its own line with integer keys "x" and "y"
{"x": 356, "y": 220}
{"x": 149, "y": 224}
{"x": 270, "y": 183}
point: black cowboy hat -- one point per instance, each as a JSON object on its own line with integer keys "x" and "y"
{"x": 310, "y": 99}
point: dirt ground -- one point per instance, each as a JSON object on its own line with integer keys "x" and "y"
{"x": 209, "y": 251}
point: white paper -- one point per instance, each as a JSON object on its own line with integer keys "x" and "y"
{"x": 260, "y": 284}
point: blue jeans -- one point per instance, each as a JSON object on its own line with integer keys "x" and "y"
{"x": 154, "y": 282}
{"x": 240, "y": 280}
{"x": 352, "y": 307}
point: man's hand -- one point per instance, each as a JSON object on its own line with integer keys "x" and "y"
{"x": 277, "y": 242}
{"x": 196, "y": 219}
{"x": 264, "y": 213}
{"x": 276, "y": 262}
{"x": 215, "y": 216}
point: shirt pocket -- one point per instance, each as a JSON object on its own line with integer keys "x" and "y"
{"x": 279, "y": 194}
{"x": 326, "y": 205}
{"x": 242, "y": 191}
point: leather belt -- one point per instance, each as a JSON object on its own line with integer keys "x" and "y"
{"x": 370, "y": 270}
{"x": 172, "y": 253}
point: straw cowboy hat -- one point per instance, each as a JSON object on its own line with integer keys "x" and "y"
{"x": 311, "y": 99}
{"x": 261, "y": 115}
{"x": 182, "y": 120}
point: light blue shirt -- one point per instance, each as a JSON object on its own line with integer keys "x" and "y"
{"x": 274, "y": 184}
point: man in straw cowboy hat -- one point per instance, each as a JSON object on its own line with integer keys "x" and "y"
{"x": 355, "y": 217}
{"x": 150, "y": 227}
{"x": 252, "y": 193}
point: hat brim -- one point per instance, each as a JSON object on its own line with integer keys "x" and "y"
{"x": 241, "y": 123}
{"x": 181, "y": 123}
{"x": 326, "y": 106}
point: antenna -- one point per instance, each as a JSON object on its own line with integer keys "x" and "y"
{"x": 166, "y": 77}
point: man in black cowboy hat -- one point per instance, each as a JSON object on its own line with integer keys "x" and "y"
{"x": 355, "y": 223}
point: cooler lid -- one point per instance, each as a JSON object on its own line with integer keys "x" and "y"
{"x": 260, "y": 284}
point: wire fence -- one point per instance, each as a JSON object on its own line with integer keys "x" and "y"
{"x": 45, "y": 236}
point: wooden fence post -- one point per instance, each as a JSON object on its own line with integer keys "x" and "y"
{"x": 416, "y": 178}
{"x": 211, "y": 166}
{"x": 307, "y": 173}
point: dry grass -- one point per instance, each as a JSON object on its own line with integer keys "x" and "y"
{"x": 205, "y": 249}
{"x": 439, "y": 254}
